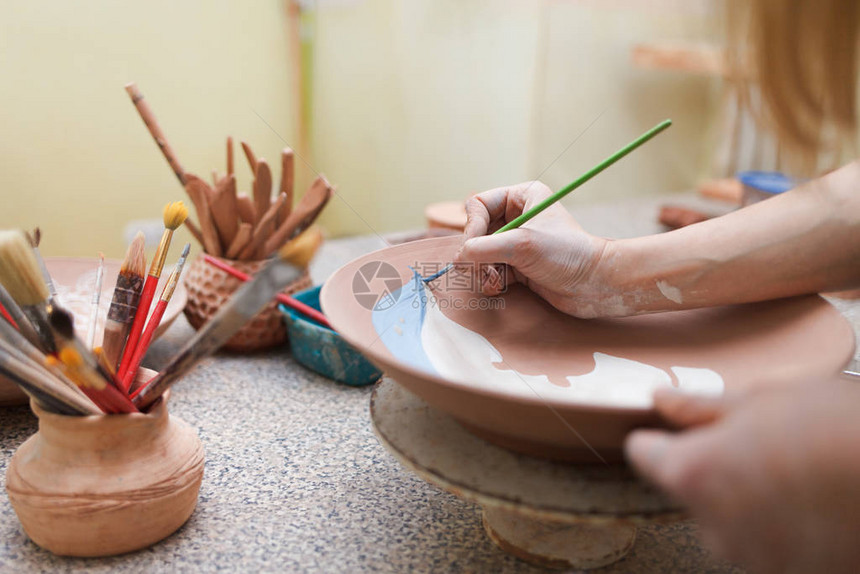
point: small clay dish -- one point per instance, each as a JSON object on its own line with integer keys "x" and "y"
{"x": 106, "y": 484}
{"x": 209, "y": 288}
{"x": 322, "y": 350}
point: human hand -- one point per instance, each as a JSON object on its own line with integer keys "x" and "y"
{"x": 551, "y": 254}
{"x": 771, "y": 476}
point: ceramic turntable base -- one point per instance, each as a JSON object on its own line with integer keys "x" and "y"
{"x": 547, "y": 513}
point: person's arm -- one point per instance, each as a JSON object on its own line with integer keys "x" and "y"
{"x": 804, "y": 241}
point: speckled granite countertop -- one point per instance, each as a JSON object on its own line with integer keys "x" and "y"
{"x": 296, "y": 480}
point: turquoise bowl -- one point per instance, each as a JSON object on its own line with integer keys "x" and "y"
{"x": 322, "y": 350}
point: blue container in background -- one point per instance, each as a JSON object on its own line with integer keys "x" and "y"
{"x": 759, "y": 185}
{"x": 322, "y": 350}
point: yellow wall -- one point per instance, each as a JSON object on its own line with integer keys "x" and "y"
{"x": 75, "y": 157}
{"x": 415, "y": 101}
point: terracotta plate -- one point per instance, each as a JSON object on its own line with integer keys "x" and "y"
{"x": 75, "y": 278}
{"x": 789, "y": 341}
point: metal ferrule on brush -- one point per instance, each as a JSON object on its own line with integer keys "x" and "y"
{"x": 157, "y": 265}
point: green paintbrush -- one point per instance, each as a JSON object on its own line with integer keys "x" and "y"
{"x": 514, "y": 223}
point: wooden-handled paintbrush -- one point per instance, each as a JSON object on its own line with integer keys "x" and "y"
{"x": 82, "y": 367}
{"x": 286, "y": 267}
{"x": 20, "y": 274}
{"x": 174, "y": 215}
{"x": 125, "y": 379}
{"x": 558, "y": 195}
{"x": 126, "y": 296}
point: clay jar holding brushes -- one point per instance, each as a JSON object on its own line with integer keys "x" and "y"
{"x": 104, "y": 485}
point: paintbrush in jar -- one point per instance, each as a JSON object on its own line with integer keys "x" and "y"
{"x": 20, "y": 274}
{"x": 82, "y": 367}
{"x": 19, "y": 320}
{"x": 125, "y": 379}
{"x": 287, "y": 266}
{"x": 5, "y": 314}
{"x": 94, "y": 303}
{"x": 22, "y": 348}
{"x": 35, "y": 240}
{"x": 174, "y": 215}
{"x": 126, "y": 296}
{"x": 42, "y": 386}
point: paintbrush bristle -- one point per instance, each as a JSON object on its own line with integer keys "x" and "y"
{"x": 63, "y": 323}
{"x": 37, "y": 237}
{"x": 175, "y": 215}
{"x": 135, "y": 257}
{"x": 19, "y": 270}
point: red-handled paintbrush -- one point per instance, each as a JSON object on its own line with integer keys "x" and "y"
{"x": 174, "y": 215}
{"x": 126, "y": 378}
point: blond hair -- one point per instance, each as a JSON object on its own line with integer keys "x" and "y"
{"x": 802, "y": 57}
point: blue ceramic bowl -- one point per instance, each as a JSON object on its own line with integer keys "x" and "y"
{"x": 322, "y": 350}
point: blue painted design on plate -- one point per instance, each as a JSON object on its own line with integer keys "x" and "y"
{"x": 398, "y": 325}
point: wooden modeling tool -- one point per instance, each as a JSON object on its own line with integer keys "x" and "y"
{"x": 304, "y": 214}
{"x": 126, "y": 378}
{"x": 263, "y": 230}
{"x": 558, "y": 195}
{"x": 230, "y": 156}
{"x": 291, "y": 302}
{"x": 94, "y": 303}
{"x": 198, "y": 191}
{"x": 174, "y": 215}
{"x": 262, "y": 190}
{"x": 194, "y": 230}
{"x": 245, "y": 207}
{"x": 82, "y": 367}
{"x": 286, "y": 267}
{"x": 243, "y": 237}
{"x": 18, "y": 318}
{"x": 224, "y": 211}
{"x": 288, "y": 177}
{"x": 249, "y": 155}
{"x": 126, "y": 297}
{"x": 152, "y": 125}
{"x": 20, "y": 274}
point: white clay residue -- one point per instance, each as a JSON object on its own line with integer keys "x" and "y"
{"x": 462, "y": 355}
{"x": 669, "y": 292}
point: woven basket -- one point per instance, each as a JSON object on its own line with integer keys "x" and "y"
{"x": 209, "y": 288}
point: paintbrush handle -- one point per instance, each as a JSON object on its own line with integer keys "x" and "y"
{"x": 139, "y": 321}
{"x": 7, "y": 316}
{"x": 125, "y": 379}
{"x": 290, "y": 302}
{"x": 513, "y": 224}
